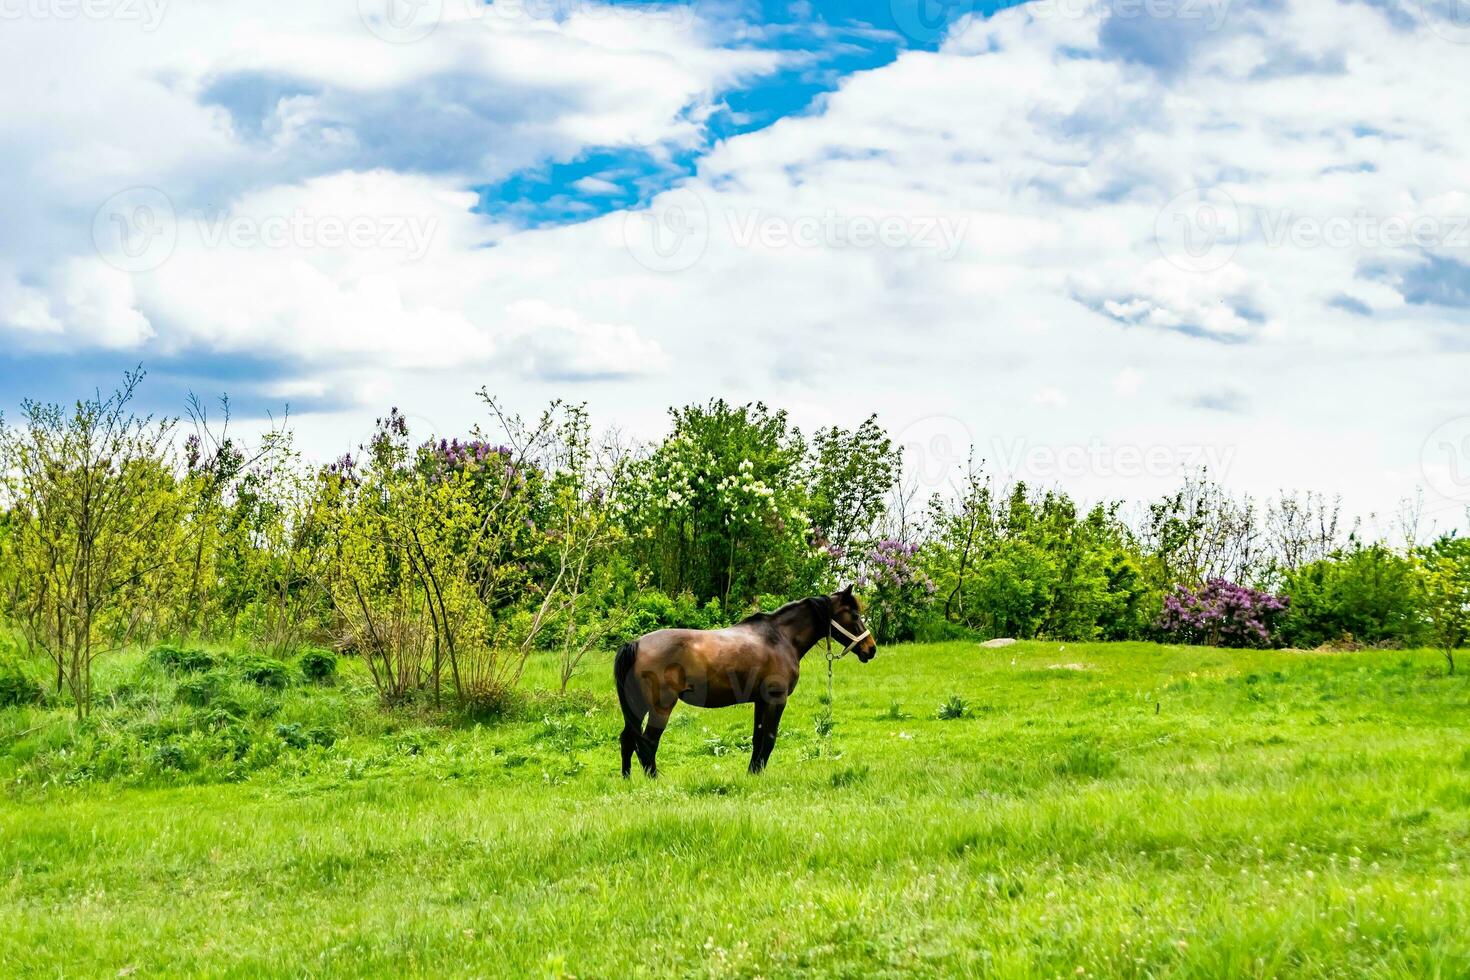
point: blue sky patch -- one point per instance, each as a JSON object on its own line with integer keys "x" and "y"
{"x": 825, "y": 41}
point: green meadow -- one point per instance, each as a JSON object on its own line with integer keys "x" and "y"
{"x": 1039, "y": 810}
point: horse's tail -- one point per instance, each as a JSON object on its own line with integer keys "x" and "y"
{"x": 632, "y": 739}
{"x": 622, "y": 668}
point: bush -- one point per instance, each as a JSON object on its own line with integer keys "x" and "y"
{"x": 170, "y": 757}
{"x": 1221, "y": 614}
{"x": 318, "y": 666}
{"x": 932, "y": 627}
{"x": 1368, "y": 595}
{"x": 653, "y": 610}
{"x": 16, "y": 686}
{"x": 265, "y": 672}
{"x": 196, "y": 692}
{"x": 297, "y": 737}
{"x": 179, "y": 661}
{"x": 952, "y": 708}
{"x": 898, "y": 592}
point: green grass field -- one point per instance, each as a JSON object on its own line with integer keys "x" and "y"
{"x": 1107, "y": 810}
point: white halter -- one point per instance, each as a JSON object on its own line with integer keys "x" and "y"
{"x": 852, "y": 640}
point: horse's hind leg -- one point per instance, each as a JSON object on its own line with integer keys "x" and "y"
{"x": 658, "y": 720}
{"x": 631, "y": 735}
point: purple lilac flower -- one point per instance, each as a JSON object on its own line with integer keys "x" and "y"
{"x": 1221, "y": 613}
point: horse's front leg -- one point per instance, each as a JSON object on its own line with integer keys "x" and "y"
{"x": 757, "y": 738}
{"x": 768, "y": 733}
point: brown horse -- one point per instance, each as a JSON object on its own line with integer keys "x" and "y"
{"x": 755, "y": 661}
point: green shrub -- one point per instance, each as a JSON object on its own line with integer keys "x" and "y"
{"x": 653, "y": 610}
{"x": 895, "y": 712}
{"x": 170, "y": 757}
{"x": 952, "y": 707}
{"x": 176, "y": 660}
{"x": 265, "y": 672}
{"x": 293, "y": 735}
{"x": 1369, "y": 594}
{"x": 16, "y": 686}
{"x": 197, "y": 692}
{"x": 932, "y": 627}
{"x": 298, "y": 737}
{"x": 318, "y": 666}
{"x": 219, "y": 718}
{"x": 165, "y": 656}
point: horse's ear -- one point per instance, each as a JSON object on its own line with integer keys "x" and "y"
{"x": 846, "y": 592}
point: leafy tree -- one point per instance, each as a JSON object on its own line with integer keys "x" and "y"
{"x": 1026, "y": 565}
{"x": 849, "y": 479}
{"x": 719, "y": 507}
{"x": 94, "y": 515}
{"x": 1445, "y": 580}
{"x": 1202, "y": 533}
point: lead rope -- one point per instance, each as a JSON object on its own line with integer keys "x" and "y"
{"x": 830, "y": 661}
{"x": 832, "y": 658}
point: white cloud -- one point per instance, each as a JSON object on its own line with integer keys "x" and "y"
{"x": 1128, "y": 382}
{"x": 1049, "y": 398}
{"x": 558, "y": 344}
{"x": 1050, "y": 140}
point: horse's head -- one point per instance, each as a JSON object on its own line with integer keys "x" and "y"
{"x": 848, "y": 615}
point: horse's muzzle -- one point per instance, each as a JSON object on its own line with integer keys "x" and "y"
{"x": 866, "y": 655}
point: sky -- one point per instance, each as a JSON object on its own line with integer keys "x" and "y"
{"x": 1102, "y": 243}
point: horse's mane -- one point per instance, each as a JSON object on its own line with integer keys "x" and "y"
{"x": 769, "y": 618}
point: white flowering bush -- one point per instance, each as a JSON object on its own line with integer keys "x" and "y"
{"x": 719, "y": 508}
